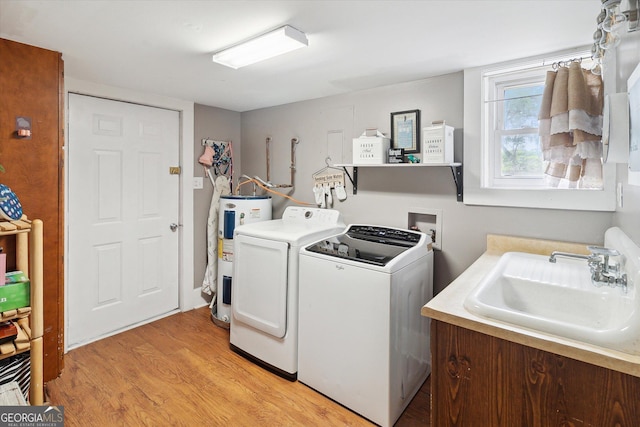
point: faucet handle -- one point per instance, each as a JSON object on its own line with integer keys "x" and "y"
{"x": 599, "y": 250}
{"x": 595, "y": 263}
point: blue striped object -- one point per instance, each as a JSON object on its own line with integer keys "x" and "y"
{"x": 10, "y": 207}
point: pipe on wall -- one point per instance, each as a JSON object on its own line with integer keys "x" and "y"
{"x": 294, "y": 142}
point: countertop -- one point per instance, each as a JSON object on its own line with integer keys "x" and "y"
{"x": 448, "y": 307}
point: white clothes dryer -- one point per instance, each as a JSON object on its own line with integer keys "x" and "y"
{"x": 264, "y": 295}
{"x": 363, "y": 341}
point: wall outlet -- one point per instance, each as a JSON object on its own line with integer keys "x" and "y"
{"x": 198, "y": 183}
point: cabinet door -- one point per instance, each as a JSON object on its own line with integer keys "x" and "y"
{"x": 479, "y": 380}
{"x": 260, "y": 282}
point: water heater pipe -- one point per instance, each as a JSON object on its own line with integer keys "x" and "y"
{"x": 294, "y": 142}
{"x": 268, "y": 160}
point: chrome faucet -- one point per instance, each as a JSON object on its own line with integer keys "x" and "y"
{"x": 556, "y": 254}
{"x": 602, "y": 273}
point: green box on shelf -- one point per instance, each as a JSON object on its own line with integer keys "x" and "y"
{"x": 15, "y": 277}
{"x": 15, "y": 295}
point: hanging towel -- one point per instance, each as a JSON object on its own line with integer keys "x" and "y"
{"x": 222, "y": 188}
{"x": 570, "y": 124}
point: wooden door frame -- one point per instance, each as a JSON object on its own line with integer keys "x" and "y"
{"x": 61, "y": 213}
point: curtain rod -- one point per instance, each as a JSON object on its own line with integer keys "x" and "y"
{"x": 561, "y": 62}
{"x": 489, "y": 101}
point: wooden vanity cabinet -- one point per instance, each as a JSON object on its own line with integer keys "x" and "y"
{"x": 480, "y": 380}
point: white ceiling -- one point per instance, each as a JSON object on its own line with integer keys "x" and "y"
{"x": 164, "y": 47}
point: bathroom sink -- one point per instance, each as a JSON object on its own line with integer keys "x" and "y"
{"x": 557, "y": 298}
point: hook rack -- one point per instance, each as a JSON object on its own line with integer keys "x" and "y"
{"x": 330, "y": 179}
{"x": 212, "y": 142}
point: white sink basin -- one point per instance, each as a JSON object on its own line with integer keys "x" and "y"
{"x": 557, "y": 298}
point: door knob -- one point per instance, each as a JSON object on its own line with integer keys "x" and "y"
{"x": 173, "y": 226}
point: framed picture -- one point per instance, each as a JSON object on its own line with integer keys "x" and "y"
{"x": 405, "y": 131}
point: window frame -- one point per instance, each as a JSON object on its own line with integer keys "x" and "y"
{"x": 477, "y": 152}
{"x": 497, "y": 84}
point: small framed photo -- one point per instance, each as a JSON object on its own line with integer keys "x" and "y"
{"x": 405, "y": 131}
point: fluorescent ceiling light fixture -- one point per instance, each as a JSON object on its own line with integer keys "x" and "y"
{"x": 282, "y": 40}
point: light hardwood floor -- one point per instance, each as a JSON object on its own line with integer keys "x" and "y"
{"x": 179, "y": 371}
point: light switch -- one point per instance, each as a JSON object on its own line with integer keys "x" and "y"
{"x": 198, "y": 183}
{"x": 619, "y": 195}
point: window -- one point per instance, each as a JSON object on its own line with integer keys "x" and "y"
{"x": 503, "y": 157}
{"x": 511, "y": 115}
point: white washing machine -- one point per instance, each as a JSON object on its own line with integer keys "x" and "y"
{"x": 264, "y": 297}
{"x": 363, "y": 342}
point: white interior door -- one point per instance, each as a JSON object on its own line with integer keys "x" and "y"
{"x": 123, "y": 252}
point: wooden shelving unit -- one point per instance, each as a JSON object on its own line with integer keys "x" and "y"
{"x": 29, "y": 320}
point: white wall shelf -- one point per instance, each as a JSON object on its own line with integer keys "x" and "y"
{"x": 456, "y": 169}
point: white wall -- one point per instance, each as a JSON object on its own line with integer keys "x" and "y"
{"x": 628, "y": 217}
{"x": 386, "y": 195}
{"x": 223, "y": 125}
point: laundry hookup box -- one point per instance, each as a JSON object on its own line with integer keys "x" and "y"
{"x": 371, "y": 148}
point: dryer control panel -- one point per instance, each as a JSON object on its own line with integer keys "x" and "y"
{"x": 295, "y": 214}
